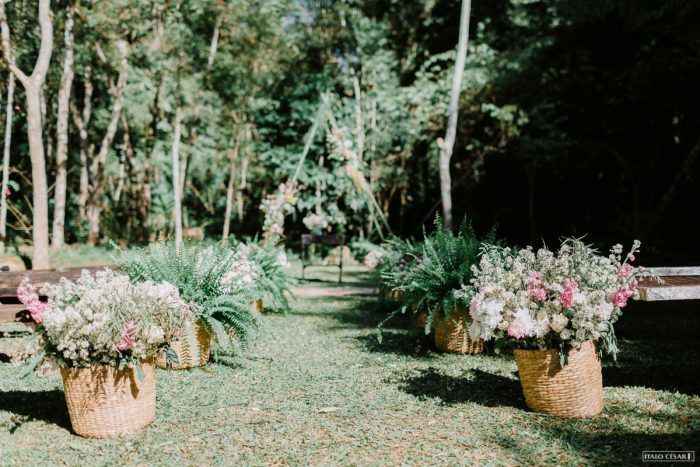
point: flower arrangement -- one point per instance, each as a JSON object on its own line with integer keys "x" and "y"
{"x": 276, "y": 206}
{"x": 272, "y": 283}
{"x": 104, "y": 319}
{"x": 316, "y": 223}
{"x": 373, "y": 258}
{"x": 544, "y": 300}
{"x": 216, "y": 283}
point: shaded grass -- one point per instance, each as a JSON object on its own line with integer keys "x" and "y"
{"x": 318, "y": 388}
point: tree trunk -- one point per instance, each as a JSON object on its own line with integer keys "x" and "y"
{"x": 177, "y": 206}
{"x": 93, "y": 218}
{"x": 359, "y": 121}
{"x": 6, "y": 160}
{"x": 233, "y": 156}
{"x": 82, "y": 120}
{"x": 94, "y": 207}
{"x": 214, "y": 42}
{"x": 447, "y": 146}
{"x": 243, "y": 186}
{"x": 40, "y": 227}
{"x": 59, "y": 210}
{"x": 33, "y": 85}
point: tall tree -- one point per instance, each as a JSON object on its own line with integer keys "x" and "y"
{"x": 32, "y": 88}
{"x": 64, "y": 93}
{"x": 177, "y": 187}
{"x": 6, "y": 160}
{"x": 447, "y": 145}
{"x": 95, "y": 199}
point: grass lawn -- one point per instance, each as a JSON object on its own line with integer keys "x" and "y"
{"x": 317, "y": 388}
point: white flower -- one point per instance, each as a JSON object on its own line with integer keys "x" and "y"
{"x": 559, "y": 322}
{"x": 604, "y": 311}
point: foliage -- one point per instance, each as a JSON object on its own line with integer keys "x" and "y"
{"x": 430, "y": 279}
{"x": 398, "y": 259}
{"x": 549, "y": 108}
{"x": 104, "y": 319}
{"x": 203, "y": 275}
{"x": 528, "y": 299}
{"x": 272, "y": 284}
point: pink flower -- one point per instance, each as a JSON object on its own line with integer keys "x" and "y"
{"x": 539, "y": 295}
{"x": 27, "y": 294}
{"x": 567, "y": 296}
{"x": 619, "y": 298}
{"x": 632, "y": 258}
{"x": 535, "y": 288}
{"x": 516, "y": 330}
{"x": 128, "y": 337}
{"x": 625, "y": 270}
{"x": 36, "y": 311}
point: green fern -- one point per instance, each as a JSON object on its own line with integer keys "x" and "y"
{"x": 436, "y": 269}
{"x": 273, "y": 284}
{"x": 197, "y": 272}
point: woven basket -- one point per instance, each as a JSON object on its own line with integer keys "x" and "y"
{"x": 452, "y": 334}
{"x": 396, "y": 295}
{"x": 257, "y": 306}
{"x": 419, "y": 320}
{"x": 104, "y": 402}
{"x": 192, "y": 348}
{"x": 575, "y": 391}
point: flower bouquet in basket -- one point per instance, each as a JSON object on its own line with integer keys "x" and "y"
{"x": 556, "y": 310}
{"x": 217, "y": 285}
{"x": 104, "y": 331}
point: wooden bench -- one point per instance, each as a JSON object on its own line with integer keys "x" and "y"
{"x": 311, "y": 239}
{"x": 677, "y": 283}
{"x": 14, "y": 319}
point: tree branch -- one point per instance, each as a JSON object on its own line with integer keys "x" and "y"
{"x": 7, "y": 46}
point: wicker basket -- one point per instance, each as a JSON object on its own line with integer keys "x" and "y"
{"x": 575, "y": 391}
{"x": 192, "y": 348}
{"x": 452, "y": 334}
{"x": 396, "y": 295}
{"x": 257, "y": 306}
{"x": 419, "y": 320}
{"x": 104, "y": 402}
